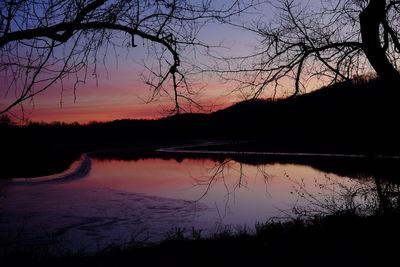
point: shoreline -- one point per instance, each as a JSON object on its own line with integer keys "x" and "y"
{"x": 81, "y": 167}
{"x": 255, "y": 153}
{"x": 78, "y": 169}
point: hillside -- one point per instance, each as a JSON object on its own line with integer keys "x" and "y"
{"x": 351, "y": 117}
{"x": 356, "y": 116}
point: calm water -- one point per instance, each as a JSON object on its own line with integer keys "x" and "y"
{"x": 117, "y": 201}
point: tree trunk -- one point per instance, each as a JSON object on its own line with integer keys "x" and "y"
{"x": 383, "y": 200}
{"x": 370, "y": 20}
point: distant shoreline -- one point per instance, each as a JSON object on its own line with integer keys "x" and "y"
{"x": 81, "y": 167}
{"x": 185, "y": 150}
{"x": 78, "y": 169}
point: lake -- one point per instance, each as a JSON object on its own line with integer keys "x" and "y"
{"x": 103, "y": 201}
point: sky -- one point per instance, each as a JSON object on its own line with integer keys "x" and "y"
{"x": 119, "y": 92}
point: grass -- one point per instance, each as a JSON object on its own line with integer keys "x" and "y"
{"x": 356, "y": 116}
{"x": 344, "y": 239}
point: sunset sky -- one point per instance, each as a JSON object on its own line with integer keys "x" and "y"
{"x": 115, "y": 88}
{"x": 119, "y": 91}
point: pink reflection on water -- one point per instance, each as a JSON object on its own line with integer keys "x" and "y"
{"x": 238, "y": 193}
{"x": 118, "y": 200}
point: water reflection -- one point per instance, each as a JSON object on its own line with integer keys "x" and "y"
{"x": 363, "y": 166}
{"x": 322, "y": 195}
{"x": 321, "y": 184}
{"x": 126, "y": 195}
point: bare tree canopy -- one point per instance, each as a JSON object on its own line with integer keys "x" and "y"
{"x": 322, "y": 40}
{"x": 42, "y": 42}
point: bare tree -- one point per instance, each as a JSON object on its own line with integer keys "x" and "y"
{"x": 43, "y": 42}
{"x": 5, "y": 120}
{"x": 321, "y": 40}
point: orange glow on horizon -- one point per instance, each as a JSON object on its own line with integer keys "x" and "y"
{"x": 102, "y": 112}
{"x": 107, "y": 102}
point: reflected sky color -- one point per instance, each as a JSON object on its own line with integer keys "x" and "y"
{"x": 243, "y": 194}
{"x": 148, "y": 198}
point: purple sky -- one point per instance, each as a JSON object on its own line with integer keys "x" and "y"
{"x": 119, "y": 91}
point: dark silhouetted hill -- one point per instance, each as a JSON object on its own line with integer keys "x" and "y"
{"x": 358, "y": 116}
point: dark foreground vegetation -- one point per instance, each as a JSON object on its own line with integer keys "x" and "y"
{"x": 342, "y": 239}
{"x": 356, "y": 117}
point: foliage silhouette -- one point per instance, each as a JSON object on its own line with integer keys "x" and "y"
{"x": 318, "y": 42}
{"x": 46, "y": 43}
{"x": 351, "y": 117}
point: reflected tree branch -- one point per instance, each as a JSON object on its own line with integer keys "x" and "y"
{"x": 372, "y": 196}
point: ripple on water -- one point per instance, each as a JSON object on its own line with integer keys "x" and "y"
{"x": 55, "y": 217}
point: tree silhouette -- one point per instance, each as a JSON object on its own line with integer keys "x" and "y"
{"x": 325, "y": 40}
{"x": 44, "y": 42}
